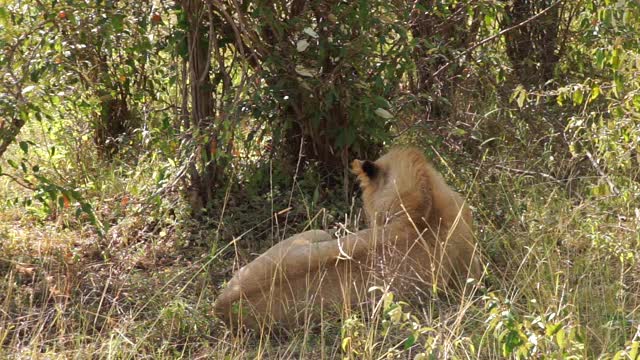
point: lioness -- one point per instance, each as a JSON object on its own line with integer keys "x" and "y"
{"x": 419, "y": 235}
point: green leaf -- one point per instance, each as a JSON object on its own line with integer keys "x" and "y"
{"x": 24, "y": 146}
{"x": 511, "y": 341}
{"x": 595, "y": 92}
{"x": 459, "y": 132}
{"x": 636, "y": 101}
{"x": 522, "y": 98}
{"x": 578, "y": 97}
{"x": 12, "y": 163}
{"x": 519, "y": 95}
{"x": 600, "y": 58}
{"x": 489, "y": 19}
{"x": 4, "y": 15}
{"x": 34, "y": 76}
{"x": 619, "y": 84}
{"x": 345, "y": 343}
{"x": 561, "y": 338}
{"x": 86, "y": 207}
{"x": 634, "y": 353}
{"x": 117, "y": 22}
{"x": 379, "y": 101}
{"x": 616, "y": 59}
{"x": 75, "y": 195}
{"x": 61, "y": 202}
{"x": 409, "y": 341}
{"x": 619, "y": 355}
{"x": 626, "y": 16}
{"x": 553, "y": 329}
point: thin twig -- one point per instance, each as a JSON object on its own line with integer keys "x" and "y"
{"x": 17, "y": 181}
{"x": 212, "y": 35}
{"x": 528, "y": 172}
{"x": 493, "y": 37}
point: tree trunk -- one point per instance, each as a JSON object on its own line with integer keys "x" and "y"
{"x": 9, "y": 129}
{"x": 204, "y": 172}
{"x": 448, "y": 31}
{"x": 532, "y": 48}
{"x": 113, "y": 123}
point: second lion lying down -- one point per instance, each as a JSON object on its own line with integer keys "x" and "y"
{"x": 419, "y": 236}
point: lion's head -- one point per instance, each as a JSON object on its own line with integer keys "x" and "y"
{"x": 396, "y": 185}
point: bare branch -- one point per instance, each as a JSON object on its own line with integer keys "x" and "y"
{"x": 612, "y": 186}
{"x": 493, "y": 37}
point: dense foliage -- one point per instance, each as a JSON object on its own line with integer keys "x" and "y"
{"x": 161, "y": 141}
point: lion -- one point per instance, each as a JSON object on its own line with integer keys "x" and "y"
{"x": 419, "y": 237}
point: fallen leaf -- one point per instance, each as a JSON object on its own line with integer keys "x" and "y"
{"x": 303, "y": 71}
{"x": 24, "y": 270}
{"x": 65, "y": 201}
{"x": 383, "y": 113}
{"x": 302, "y": 45}
{"x": 28, "y": 89}
{"x": 310, "y": 32}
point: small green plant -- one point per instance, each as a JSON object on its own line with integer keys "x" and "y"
{"x": 389, "y": 331}
{"x": 631, "y": 351}
{"x": 532, "y": 335}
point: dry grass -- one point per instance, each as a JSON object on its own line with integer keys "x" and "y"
{"x": 562, "y": 281}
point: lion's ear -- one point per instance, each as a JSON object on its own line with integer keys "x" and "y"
{"x": 370, "y": 168}
{"x": 365, "y": 169}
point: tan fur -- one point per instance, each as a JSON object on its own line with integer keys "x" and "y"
{"x": 419, "y": 237}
